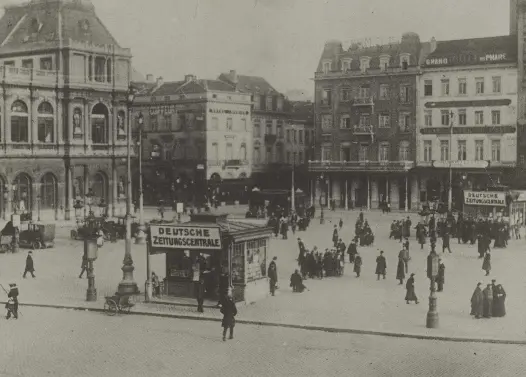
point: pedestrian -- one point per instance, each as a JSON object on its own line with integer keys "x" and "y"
{"x": 335, "y": 236}
{"x": 229, "y": 311}
{"x": 340, "y": 224}
{"x": 477, "y": 302}
{"x": 156, "y": 285}
{"x": 30, "y": 266}
{"x": 296, "y": 282}
{"x": 441, "y": 277}
{"x": 487, "y": 294}
{"x": 486, "y": 264}
{"x": 200, "y": 293}
{"x": 499, "y": 302}
{"x": 445, "y": 242}
{"x": 410, "y": 290}
{"x": 352, "y": 250}
{"x": 12, "y": 303}
{"x": 272, "y": 274}
{"x": 404, "y": 254}
{"x": 357, "y": 264}
{"x": 84, "y": 266}
{"x": 381, "y": 265}
{"x": 400, "y": 270}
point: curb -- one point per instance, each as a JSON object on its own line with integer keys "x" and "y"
{"x": 290, "y": 326}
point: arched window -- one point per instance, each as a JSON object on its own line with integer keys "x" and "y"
{"x": 19, "y": 122}
{"x": 100, "y": 188}
{"x": 121, "y": 121}
{"x": 243, "y": 152}
{"x": 46, "y": 123}
{"x": 22, "y": 195}
{"x": 109, "y": 69}
{"x": 48, "y": 192}
{"x": 99, "y": 124}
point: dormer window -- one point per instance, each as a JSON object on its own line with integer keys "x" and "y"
{"x": 384, "y": 62}
{"x": 346, "y": 65}
{"x": 364, "y": 64}
{"x": 326, "y": 66}
{"x": 404, "y": 61}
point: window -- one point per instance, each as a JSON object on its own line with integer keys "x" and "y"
{"x": 384, "y": 121}
{"x": 229, "y": 124}
{"x": 9, "y": 63}
{"x": 300, "y": 135}
{"x": 100, "y": 69}
{"x": 326, "y": 153}
{"x": 479, "y": 85}
{"x": 19, "y": 122}
{"x": 345, "y": 153}
{"x": 268, "y": 155}
{"x": 364, "y": 64}
{"x": 346, "y": 94}
{"x": 364, "y": 92}
{"x": 462, "y": 118}
{"x": 48, "y": 192}
{"x": 300, "y": 157}
{"x": 479, "y": 150}
{"x": 404, "y": 61}
{"x": 326, "y": 97}
{"x": 168, "y": 121}
{"x": 269, "y": 103}
{"x": 363, "y": 152}
{"x": 365, "y": 120}
{"x": 403, "y": 152}
{"x": 288, "y": 159}
{"x": 326, "y": 121}
{"x": 154, "y": 122}
{"x": 109, "y": 68}
{"x": 294, "y": 134}
{"x": 383, "y": 152}
{"x": 495, "y": 150}
{"x": 243, "y": 152}
{"x": 268, "y": 128}
{"x": 462, "y": 87}
{"x": 428, "y": 88}
{"x": 215, "y": 125}
{"x": 295, "y": 157}
{"x": 257, "y": 155}
{"x": 46, "y": 123}
{"x": 326, "y": 67}
{"x": 428, "y": 151}
{"x": 229, "y": 151}
{"x": 46, "y": 64}
{"x": 404, "y": 122}
{"x": 444, "y": 115}
{"x": 257, "y": 129}
{"x": 522, "y": 160}
{"x": 495, "y": 117}
{"x": 279, "y": 130}
{"x": 27, "y": 63}
{"x": 279, "y": 104}
{"x": 256, "y": 102}
{"x": 384, "y": 63}
{"x": 428, "y": 118}
{"x": 496, "y": 80}
{"x": 445, "y": 87}
{"x": 99, "y": 124}
{"x": 479, "y": 118}
{"x": 462, "y": 150}
{"x": 215, "y": 152}
{"x": 405, "y": 93}
{"x": 287, "y": 132}
{"x": 346, "y": 65}
{"x": 345, "y": 121}
{"x": 444, "y": 150}
{"x": 384, "y": 91}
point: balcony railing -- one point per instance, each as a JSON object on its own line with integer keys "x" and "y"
{"x": 28, "y": 75}
{"x": 363, "y": 101}
{"x": 363, "y": 130}
{"x": 382, "y": 166}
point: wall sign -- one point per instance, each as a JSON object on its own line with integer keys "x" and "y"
{"x": 468, "y": 130}
{"x": 185, "y": 237}
{"x": 466, "y": 59}
{"x": 485, "y": 198}
{"x": 233, "y": 112}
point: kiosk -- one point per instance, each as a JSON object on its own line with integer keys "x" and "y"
{"x": 219, "y": 250}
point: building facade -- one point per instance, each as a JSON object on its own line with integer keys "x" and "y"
{"x": 365, "y": 108}
{"x": 63, "y": 107}
{"x": 195, "y": 131}
{"x": 467, "y": 116}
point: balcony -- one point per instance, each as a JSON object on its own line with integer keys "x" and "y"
{"x": 17, "y": 75}
{"x": 363, "y": 130}
{"x": 363, "y": 101}
{"x": 369, "y": 166}
{"x": 270, "y": 138}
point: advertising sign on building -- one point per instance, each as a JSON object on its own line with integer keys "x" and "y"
{"x": 185, "y": 237}
{"x": 485, "y": 198}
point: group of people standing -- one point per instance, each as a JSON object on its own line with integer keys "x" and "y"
{"x": 488, "y": 302}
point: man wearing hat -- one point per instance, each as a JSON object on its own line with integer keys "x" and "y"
{"x": 30, "y": 267}
{"x": 272, "y": 274}
{"x": 12, "y": 304}
{"x": 477, "y": 301}
{"x": 441, "y": 278}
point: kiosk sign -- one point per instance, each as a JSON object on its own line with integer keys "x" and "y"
{"x": 185, "y": 237}
{"x": 485, "y": 198}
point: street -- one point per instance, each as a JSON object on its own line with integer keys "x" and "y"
{"x": 50, "y": 342}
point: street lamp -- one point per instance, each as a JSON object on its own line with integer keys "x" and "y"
{"x": 90, "y": 251}
{"x": 103, "y": 206}
{"x": 450, "y": 191}
{"x": 128, "y": 285}
{"x": 139, "y": 238}
{"x": 322, "y": 182}
{"x": 432, "y": 272}
{"x": 89, "y": 202}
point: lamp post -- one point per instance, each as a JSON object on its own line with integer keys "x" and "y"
{"x": 432, "y": 272}
{"x": 322, "y": 183}
{"x": 139, "y": 238}
{"x": 450, "y": 191}
{"x": 5, "y": 196}
{"x": 103, "y": 206}
{"x": 90, "y": 251}
{"x": 128, "y": 284}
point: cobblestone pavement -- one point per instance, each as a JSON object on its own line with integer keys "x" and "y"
{"x": 345, "y": 302}
{"x": 62, "y": 343}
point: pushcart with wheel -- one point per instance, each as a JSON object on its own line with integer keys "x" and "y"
{"x": 118, "y": 304}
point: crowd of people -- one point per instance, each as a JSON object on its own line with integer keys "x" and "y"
{"x": 488, "y": 302}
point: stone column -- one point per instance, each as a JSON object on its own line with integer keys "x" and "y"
{"x": 387, "y": 193}
{"x": 33, "y": 119}
{"x": 374, "y": 193}
{"x": 329, "y": 189}
{"x": 346, "y": 194}
{"x": 112, "y": 123}
{"x": 36, "y": 202}
{"x": 406, "y": 201}
{"x": 354, "y": 186}
{"x": 312, "y": 191}
{"x": 368, "y": 192}
{"x": 395, "y": 198}
{"x": 86, "y": 187}
{"x": 415, "y": 193}
{"x": 69, "y": 192}
{"x": 59, "y": 120}
{"x": 423, "y": 185}
{"x": 87, "y": 125}
{"x": 114, "y": 190}
{"x": 336, "y": 191}
{"x": 9, "y": 204}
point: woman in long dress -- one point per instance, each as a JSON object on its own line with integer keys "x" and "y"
{"x": 410, "y": 287}
{"x": 486, "y": 264}
{"x": 500, "y": 302}
{"x": 400, "y": 270}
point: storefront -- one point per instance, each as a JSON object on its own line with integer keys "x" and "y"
{"x": 518, "y": 207}
{"x": 211, "y": 245}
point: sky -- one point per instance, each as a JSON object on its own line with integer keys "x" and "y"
{"x": 280, "y": 40}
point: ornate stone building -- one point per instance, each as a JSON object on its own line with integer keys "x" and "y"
{"x": 63, "y": 108}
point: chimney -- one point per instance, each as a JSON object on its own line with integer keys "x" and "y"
{"x": 233, "y": 77}
{"x": 160, "y": 81}
{"x": 188, "y": 78}
{"x": 433, "y": 44}
{"x": 149, "y": 77}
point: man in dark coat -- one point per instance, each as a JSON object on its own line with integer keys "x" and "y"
{"x": 296, "y": 282}
{"x": 441, "y": 277}
{"x": 352, "y": 251}
{"x": 486, "y": 263}
{"x": 381, "y": 265}
{"x": 445, "y": 241}
{"x": 357, "y": 264}
{"x": 400, "y": 270}
{"x": 229, "y": 312}
{"x": 200, "y": 293}
{"x": 487, "y": 294}
{"x": 410, "y": 290}
{"x": 30, "y": 267}
{"x": 12, "y": 307}
{"x": 477, "y": 302}
{"x": 272, "y": 274}
{"x": 335, "y": 237}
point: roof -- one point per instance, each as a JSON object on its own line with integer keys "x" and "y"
{"x": 249, "y": 84}
{"x": 44, "y": 22}
{"x": 474, "y": 51}
{"x": 301, "y": 110}
{"x": 194, "y": 86}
